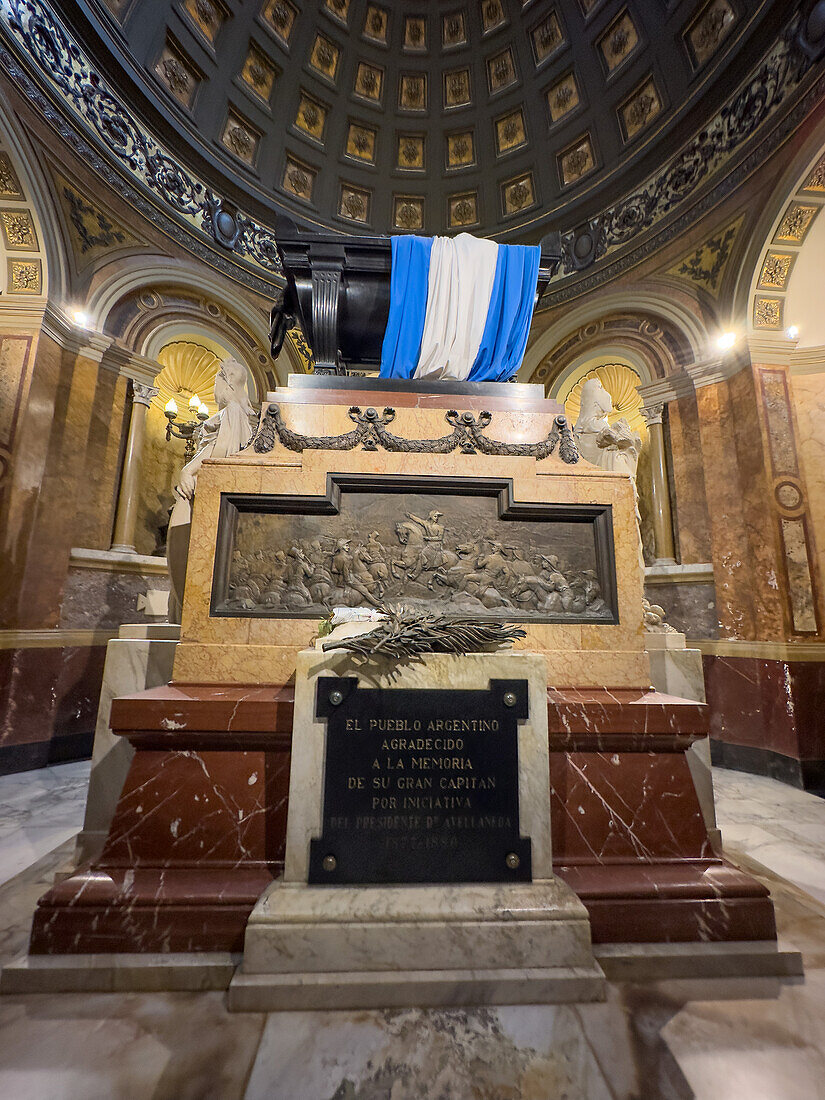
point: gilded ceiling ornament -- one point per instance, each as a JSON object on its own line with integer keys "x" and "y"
{"x": 409, "y": 213}
{"x": 796, "y": 223}
{"x": 24, "y": 276}
{"x": 816, "y": 180}
{"x": 619, "y": 41}
{"x": 518, "y": 194}
{"x": 354, "y": 204}
{"x": 177, "y": 75}
{"x": 706, "y": 33}
{"x": 767, "y": 313}
{"x": 775, "y": 271}
{"x": 463, "y": 210}
{"x": 18, "y": 229}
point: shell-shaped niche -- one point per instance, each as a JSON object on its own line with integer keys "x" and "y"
{"x": 188, "y": 368}
{"x": 620, "y": 381}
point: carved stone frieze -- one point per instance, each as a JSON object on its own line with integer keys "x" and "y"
{"x": 371, "y": 433}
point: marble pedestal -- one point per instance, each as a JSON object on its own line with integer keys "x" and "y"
{"x": 676, "y": 670}
{"x": 140, "y": 657}
{"x": 310, "y": 946}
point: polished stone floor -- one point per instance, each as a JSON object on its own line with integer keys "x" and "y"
{"x": 723, "y": 1040}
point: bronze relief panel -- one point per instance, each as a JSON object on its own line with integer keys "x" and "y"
{"x": 441, "y": 546}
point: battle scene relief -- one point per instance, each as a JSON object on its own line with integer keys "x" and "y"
{"x": 439, "y": 551}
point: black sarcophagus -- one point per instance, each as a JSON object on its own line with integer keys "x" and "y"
{"x": 338, "y": 292}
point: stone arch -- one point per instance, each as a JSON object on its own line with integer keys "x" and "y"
{"x": 33, "y": 263}
{"x": 654, "y": 346}
{"x": 786, "y": 282}
{"x": 756, "y": 284}
{"x": 147, "y": 307}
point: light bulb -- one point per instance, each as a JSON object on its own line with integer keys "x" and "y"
{"x": 203, "y": 410}
{"x": 793, "y": 332}
{"x": 80, "y": 318}
{"x": 726, "y": 341}
{"x": 194, "y": 401}
{"x": 171, "y": 407}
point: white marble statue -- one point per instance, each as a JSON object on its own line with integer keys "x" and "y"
{"x": 611, "y": 446}
{"x": 224, "y": 434}
{"x": 615, "y": 447}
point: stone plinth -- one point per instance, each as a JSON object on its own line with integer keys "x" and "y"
{"x": 140, "y": 657}
{"x": 198, "y": 831}
{"x": 384, "y": 945}
{"x": 629, "y": 834}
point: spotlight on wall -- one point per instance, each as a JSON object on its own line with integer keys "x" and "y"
{"x": 80, "y": 318}
{"x": 793, "y": 332}
{"x": 726, "y": 341}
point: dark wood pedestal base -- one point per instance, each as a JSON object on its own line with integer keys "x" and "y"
{"x": 628, "y": 832}
{"x": 199, "y": 831}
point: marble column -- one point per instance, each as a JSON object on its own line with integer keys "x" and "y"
{"x": 127, "y": 503}
{"x": 662, "y": 519}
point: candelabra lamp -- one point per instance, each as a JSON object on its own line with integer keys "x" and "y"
{"x": 187, "y": 430}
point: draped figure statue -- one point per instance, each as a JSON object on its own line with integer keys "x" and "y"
{"x": 611, "y": 446}
{"x": 615, "y": 447}
{"x": 224, "y": 434}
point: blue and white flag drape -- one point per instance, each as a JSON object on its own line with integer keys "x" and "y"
{"x": 459, "y": 308}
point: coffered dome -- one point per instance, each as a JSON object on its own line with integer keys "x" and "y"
{"x": 494, "y": 116}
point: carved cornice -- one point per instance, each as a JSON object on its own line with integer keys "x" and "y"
{"x": 129, "y": 364}
{"x": 73, "y": 338}
{"x": 189, "y": 210}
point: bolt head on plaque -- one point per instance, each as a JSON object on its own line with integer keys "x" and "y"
{"x": 510, "y": 699}
{"x": 330, "y": 863}
{"x": 512, "y": 861}
{"x": 336, "y": 697}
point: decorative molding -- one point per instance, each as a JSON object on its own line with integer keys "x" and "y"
{"x": 699, "y": 171}
{"x": 210, "y": 226}
{"x": 131, "y": 365}
{"x": 755, "y": 101}
{"x": 689, "y": 573}
{"x": 189, "y": 209}
{"x": 771, "y": 350}
{"x": 764, "y": 651}
{"x": 110, "y": 561}
{"x": 808, "y": 360}
{"x": 55, "y": 639}
{"x": 71, "y": 337}
{"x": 371, "y": 434}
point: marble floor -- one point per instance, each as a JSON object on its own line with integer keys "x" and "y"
{"x": 703, "y": 1040}
{"x": 39, "y": 810}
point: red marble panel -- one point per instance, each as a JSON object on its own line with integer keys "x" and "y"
{"x": 198, "y": 833}
{"x": 611, "y": 807}
{"x": 628, "y": 832}
{"x": 50, "y": 692}
{"x": 771, "y": 705}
